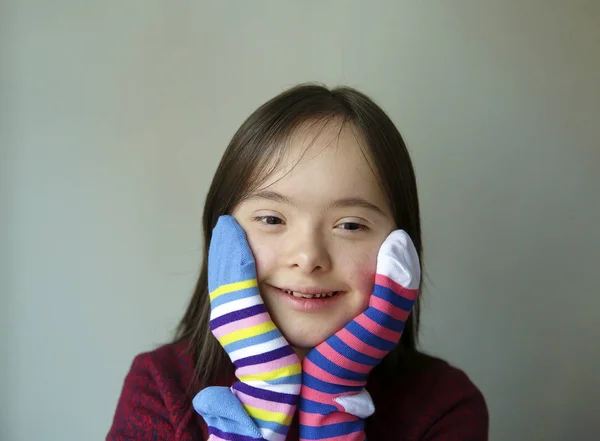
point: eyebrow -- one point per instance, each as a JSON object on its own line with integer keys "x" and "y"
{"x": 339, "y": 203}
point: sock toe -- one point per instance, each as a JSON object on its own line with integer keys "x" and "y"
{"x": 399, "y": 261}
{"x": 230, "y": 258}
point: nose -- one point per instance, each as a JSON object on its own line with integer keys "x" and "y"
{"x": 308, "y": 252}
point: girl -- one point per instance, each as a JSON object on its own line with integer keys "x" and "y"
{"x": 313, "y": 218}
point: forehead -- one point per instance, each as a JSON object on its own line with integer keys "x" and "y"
{"x": 324, "y": 163}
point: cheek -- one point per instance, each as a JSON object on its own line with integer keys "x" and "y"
{"x": 265, "y": 256}
{"x": 366, "y": 282}
{"x": 360, "y": 271}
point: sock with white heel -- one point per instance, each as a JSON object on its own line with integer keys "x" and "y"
{"x": 333, "y": 399}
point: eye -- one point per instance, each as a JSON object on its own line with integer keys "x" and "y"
{"x": 352, "y": 226}
{"x": 269, "y": 220}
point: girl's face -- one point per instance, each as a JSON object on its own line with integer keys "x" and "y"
{"x": 315, "y": 228}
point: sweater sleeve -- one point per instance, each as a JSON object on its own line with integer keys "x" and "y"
{"x": 146, "y": 410}
{"x": 462, "y": 413}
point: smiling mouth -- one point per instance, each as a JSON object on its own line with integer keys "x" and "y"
{"x": 310, "y": 296}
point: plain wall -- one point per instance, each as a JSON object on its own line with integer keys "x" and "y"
{"x": 114, "y": 115}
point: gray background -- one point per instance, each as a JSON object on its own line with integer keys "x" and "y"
{"x": 114, "y": 115}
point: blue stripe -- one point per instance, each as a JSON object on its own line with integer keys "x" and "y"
{"x": 323, "y": 386}
{"x": 271, "y": 425}
{"x": 331, "y": 430}
{"x": 292, "y": 379}
{"x": 395, "y": 299}
{"x": 234, "y": 295}
{"x": 314, "y": 407}
{"x": 251, "y": 341}
{"x": 384, "y": 320}
{"x": 367, "y": 337}
{"x": 329, "y": 366}
{"x": 342, "y": 348}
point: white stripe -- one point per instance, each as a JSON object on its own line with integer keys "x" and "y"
{"x": 260, "y": 348}
{"x": 398, "y": 260}
{"x": 236, "y": 305}
{"x": 281, "y": 388}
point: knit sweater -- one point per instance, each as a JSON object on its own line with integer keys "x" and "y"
{"x": 438, "y": 403}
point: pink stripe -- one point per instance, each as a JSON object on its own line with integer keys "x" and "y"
{"x": 354, "y": 342}
{"x": 318, "y": 420}
{"x": 320, "y": 397}
{"x": 342, "y": 361}
{"x": 385, "y": 281}
{"x": 215, "y": 438}
{"x": 269, "y": 366}
{"x": 378, "y": 330}
{"x": 241, "y": 324}
{"x": 270, "y": 406}
{"x": 314, "y": 370}
{"x": 389, "y": 309}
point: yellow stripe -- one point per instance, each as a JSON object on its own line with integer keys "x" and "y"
{"x": 242, "y": 334}
{"x": 265, "y": 415}
{"x": 285, "y": 371}
{"x": 230, "y": 287}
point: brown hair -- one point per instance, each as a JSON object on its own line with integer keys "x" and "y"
{"x": 248, "y": 160}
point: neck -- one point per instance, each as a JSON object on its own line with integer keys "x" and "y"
{"x": 301, "y": 352}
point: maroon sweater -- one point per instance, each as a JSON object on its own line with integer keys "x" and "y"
{"x": 437, "y": 403}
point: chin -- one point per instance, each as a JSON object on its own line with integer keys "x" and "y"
{"x": 304, "y": 341}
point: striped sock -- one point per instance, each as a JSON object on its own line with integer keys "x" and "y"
{"x": 334, "y": 401}
{"x": 267, "y": 368}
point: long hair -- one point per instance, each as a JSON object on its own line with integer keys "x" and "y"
{"x": 254, "y": 152}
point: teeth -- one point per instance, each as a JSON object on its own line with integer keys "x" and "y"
{"x": 309, "y": 296}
